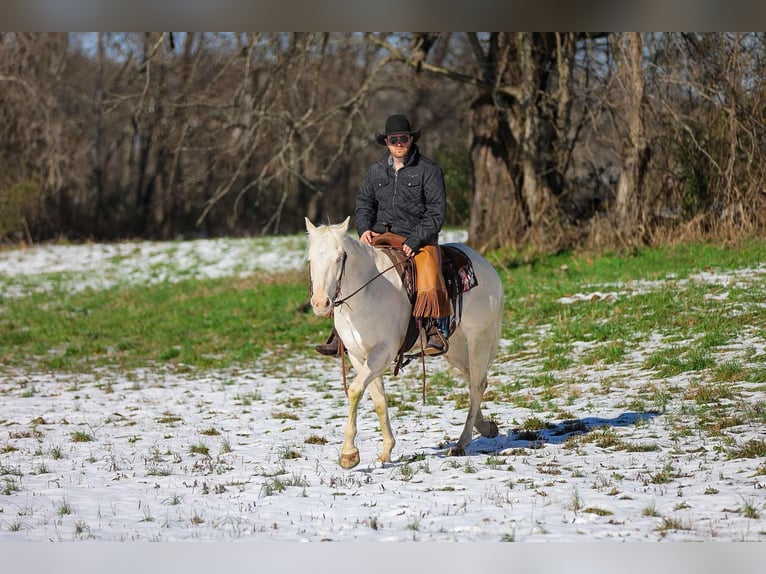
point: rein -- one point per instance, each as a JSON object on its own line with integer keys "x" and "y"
{"x": 338, "y": 302}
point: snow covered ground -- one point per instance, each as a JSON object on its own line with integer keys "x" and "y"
{"x": 250, "y": 453}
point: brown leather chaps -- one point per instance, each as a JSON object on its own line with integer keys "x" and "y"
{"x": 432, "y": 299}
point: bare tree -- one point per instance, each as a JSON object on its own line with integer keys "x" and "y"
{"x": 629, "y": 212}
{"x": 299, "y": 101}
{"x": 613, "y": 139}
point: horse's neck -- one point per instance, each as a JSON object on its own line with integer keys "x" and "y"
{"x": 364, "y": 262}
{"x": 362, "y": 259}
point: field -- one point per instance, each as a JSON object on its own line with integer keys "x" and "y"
{"x": 170, "y": 391}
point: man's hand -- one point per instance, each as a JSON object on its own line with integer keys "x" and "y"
{"x": 407, "y": 250}
{"x": 368, "y": 236}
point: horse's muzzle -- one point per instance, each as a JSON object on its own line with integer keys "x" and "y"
{"x": 322, "y": 306}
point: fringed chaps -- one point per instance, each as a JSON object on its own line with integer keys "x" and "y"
{"x": 432, "y": 298}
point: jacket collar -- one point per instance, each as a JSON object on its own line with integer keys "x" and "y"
{"x": 388, "y": 159}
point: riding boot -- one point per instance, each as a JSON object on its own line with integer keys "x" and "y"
{"x": 331, "y": 348}
{"x": 437, "y": 343}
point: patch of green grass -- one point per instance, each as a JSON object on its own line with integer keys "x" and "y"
{"x": 607, "y": 353}
{"x": 199, "y": 448}
{"x": 443, "y": 383}
{"x": 672, "y": 523}
{"x": 675, "y": 360}
{"x": 315, "y": 439}
{"x": 710, "y": 393}
{"x": 284, "y": 415}
{"x": 756, "y": 375}
{"x": 273, "y": 486}
{"x": 204, "y": 324}
{"x": 289, "y": 453}
{"x": 753, "y": 448}
{"x": 219, "y": 322}
{"x": 64, "y": 508}
{"x": 544, "y": 380}
{"x": 728, "y": 372}
{"x": 749, "y": 510}
{"x": 173, "y": 500}
{"x": 461, "y": 399}
{"x": 640, "y": 447}
{"x": 81, "y": 436}
{"x": 154, "y": 469}
{"x": 597, "y": 511}
{"x": 248, "y": 398}
{"x": 169, "y": 418}
{"x": 533, "y": 424}
{"x": 650, "y": 510}
{"x": 557, "y": 357}
{"x": 10, "y": 485}
{"x": 603, "y": 438}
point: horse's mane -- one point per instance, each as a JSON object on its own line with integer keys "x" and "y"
{"x": 338, "y": 237}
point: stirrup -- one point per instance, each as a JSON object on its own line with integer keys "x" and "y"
{"x": 331, "y": 348}
{"x": 436, "y": 345}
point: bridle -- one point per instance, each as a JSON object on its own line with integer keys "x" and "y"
{"x": 336, "y": 302}
{"x": 343, "y": 258}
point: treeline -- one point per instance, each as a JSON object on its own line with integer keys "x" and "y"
{"x": 548, "y": 140}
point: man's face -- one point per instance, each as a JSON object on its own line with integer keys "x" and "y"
{"x": 399, "y": 145}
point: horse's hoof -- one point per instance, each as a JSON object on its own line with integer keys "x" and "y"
{"x": 349, "y": 460}
{"x": 456, "y": 451}
{"x": 382, "y": 460}
{"x": 493, "y": 430}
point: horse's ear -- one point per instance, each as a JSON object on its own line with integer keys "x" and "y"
{"x": 309, "y": 226}
{"x": 344, "y": 226}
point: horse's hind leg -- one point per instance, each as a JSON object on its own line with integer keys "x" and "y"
{"x": 479, "y": 358}
{"x": 475, "y": 419}
{"x": 486, "y": 428}
{"x": 378, "y": 394}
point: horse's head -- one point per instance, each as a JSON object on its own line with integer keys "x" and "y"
{"x": 326, "y": 257}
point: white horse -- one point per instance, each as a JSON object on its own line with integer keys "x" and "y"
{"x": 373, "y": 321}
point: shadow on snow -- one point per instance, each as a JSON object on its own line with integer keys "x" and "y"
{"x": 552, "y": 433}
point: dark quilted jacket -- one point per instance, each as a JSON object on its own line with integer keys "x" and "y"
{"x": 411, "y": 203}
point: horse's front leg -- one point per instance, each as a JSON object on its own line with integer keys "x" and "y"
{"x": 349, "y": 454}
{"x": 378, "y": 394}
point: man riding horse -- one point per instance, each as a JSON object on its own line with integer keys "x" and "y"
{"x": 403, "y": 194}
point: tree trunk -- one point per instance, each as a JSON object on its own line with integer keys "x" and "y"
{"x": 497, "y": 214}
{"x": 97, "y": 154}
{"x": 629, "y": 211}
{"x": 520, "y": 130}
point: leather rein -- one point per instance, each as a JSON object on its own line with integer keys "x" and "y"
{"x": 338, "y": 302}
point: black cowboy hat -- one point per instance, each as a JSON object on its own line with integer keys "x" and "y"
{"x": 397, "y": 124}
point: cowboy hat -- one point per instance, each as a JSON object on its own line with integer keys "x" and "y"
{"x": 397, "y": 124}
